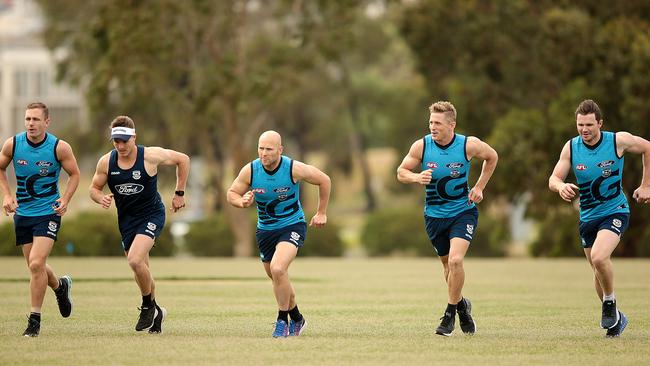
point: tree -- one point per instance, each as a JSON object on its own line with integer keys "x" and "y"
{"x": 199, "y": 74}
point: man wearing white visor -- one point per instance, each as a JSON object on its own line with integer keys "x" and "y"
{"x": 130, "y": 171}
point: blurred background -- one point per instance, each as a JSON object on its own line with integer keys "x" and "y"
{"x": 348, "y": 85}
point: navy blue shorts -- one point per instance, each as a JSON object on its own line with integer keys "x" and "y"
{"x": 268, "y": 239}
{"x": 441, "y": 230}
{"x": 616, "y": 223}
{"x": 27, "y": 227}
{"x": 150, "y": 226}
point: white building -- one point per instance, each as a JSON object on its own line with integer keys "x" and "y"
{"x": 28, "y": 73}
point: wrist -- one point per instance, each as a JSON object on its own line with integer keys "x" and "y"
{"x": 179, "y": 193}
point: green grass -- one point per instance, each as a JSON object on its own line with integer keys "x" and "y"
{"x": 360, "y": 312}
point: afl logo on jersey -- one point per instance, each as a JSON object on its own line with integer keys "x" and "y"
{"x": 432, "y": 165}
{"x": 128, "y": 189}
{"x": 259, "y": 190}
{"x": 136, "y": 174}
{"x": 22, "y": 162}
{"x": 581, "y": 167}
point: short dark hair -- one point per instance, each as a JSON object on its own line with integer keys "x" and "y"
{"x": 588, "y": 106}
{"x": 122, "y": 121}
{"x": 39, "y": 105}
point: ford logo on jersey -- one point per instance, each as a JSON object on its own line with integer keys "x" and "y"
{"x": 43, "y": 163}
{"x": 128, "y": 189}
{"x": 605, "y": 164}
{"x": 454, "y": 165}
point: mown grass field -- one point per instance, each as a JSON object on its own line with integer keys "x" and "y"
{"x": 360, "y": 312}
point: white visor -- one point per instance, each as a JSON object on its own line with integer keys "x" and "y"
{"x": 122, "y": 133}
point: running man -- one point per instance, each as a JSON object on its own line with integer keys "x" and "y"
{"x": 596, "y": 159}
{"x": 450, "y": 214}
{"x": 272, "y": 182}
{"x": 131, "y": 172}
{"x": 38, "y": 158}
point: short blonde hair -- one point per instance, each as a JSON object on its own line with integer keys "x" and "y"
{"x": 444, "y": 107}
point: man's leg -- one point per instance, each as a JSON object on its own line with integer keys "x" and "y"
{"x": 138, "y": 259}
{"x": 599, "y": 290}
{"x": 604, "y": 245}
{"x": 601, "y": 252}
{"x": 42, "y": 274}
{"x": 279, "y": 269}
{"x": 456, "y": 273}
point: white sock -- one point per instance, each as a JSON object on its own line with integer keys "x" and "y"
{"x": 609, "y": 297}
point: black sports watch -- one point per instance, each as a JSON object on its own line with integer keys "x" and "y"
{"x": 179, "y": 193}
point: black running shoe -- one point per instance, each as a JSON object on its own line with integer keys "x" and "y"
{"x": 147, "y": 316}
{"x": 618, "y": 329}
{"x": 610, "y": 314}
{"x": 446, "y": 325}
{"x": 63, "y": 297}
{"x": 33, "y": 328}
{"x": 158, "y": 320}
{"x": 467, "y": 324}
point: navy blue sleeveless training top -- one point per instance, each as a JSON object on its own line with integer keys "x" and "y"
{"x": 135, "y": 192}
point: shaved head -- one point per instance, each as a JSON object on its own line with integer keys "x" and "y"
{"x": 271, "y": 137}
{"x": 269, "y": 149}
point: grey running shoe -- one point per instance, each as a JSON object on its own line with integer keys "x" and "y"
{"x": 467, "y": 324}
{"x": 296, "y": 328}
{"x": 147, "y": 316}
{"x": 610, "y": 314}
{"x": 158, "y": 320}
{"x": 618, "y": 329}
{"x": 33, "y": 328}
{"x": 446, "y": 326}
{"x": 63, "y": 297}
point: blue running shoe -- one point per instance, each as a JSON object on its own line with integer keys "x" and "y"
{"x": 296, "y": 328}
{"x": 618, "y": 329}
{"x": 281, "y": 329}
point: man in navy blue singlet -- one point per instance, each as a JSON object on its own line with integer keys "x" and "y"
{"x": 596, "y": 159}
{"x": 38, "y": 158}
{"x": 272, "y": 182}
{"x": 131, "y": 173}
{"x": 443, "y": 159}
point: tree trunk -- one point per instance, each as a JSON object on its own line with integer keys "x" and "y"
{"x": 358, "y": 143}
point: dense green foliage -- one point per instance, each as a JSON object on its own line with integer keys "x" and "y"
{"x": 210, "y": 237}
{"x": 89, "y": 233}
{"x": 516, "y": 71}
{"x": 323, "y": 242}
{"x": 396, "y": 231}
{"x": 339, "y": 76}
